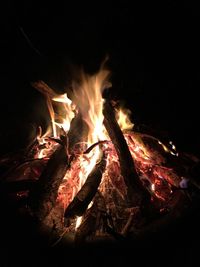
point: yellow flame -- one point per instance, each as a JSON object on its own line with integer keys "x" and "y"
{"x": 80, "y": 218}
{"x": 164, "y": 147}
{"x": 123, "y": 119}
{"x": 88, "y": 97}
{"x": 52, "y": 115}
{"x": 153, "y": 187}
{"x": 65, "y": 109}
{"x": 78, "y": 222}
{"x": 169, "y": 150}
{"x": 66, "y": 112}
{"x": 42, "y": 140}
{"x": 140, "y": 146}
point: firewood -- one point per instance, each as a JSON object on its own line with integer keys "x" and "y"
{"x": 44, "y": 195}
{"x": 88, "y": 190}
{"x": 77, "y": 132}
{"x": 136, "y": 193}
{"x": 94, "y": 145}
{"x": 87, "y": 226}
{"x": 43, "y": 88}
{"x": 21, "y": 170}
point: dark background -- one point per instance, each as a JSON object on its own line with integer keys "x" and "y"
{"x": 154, "y": 59}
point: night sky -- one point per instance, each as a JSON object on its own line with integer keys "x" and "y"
{"x": 154, "y": 60}
{"x": 154, "y": 55}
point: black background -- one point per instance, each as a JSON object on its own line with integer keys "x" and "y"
{"x": 153, "y": 50}
{"x": 154, "y": 59}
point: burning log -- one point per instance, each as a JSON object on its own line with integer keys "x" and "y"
{"x": 94, "y": 145}
{"x": 44, "y": 88}
{"x": 43, "y": 197}
{"x": 29, "y": 169}
{"x": 93, "y": 220}
{"x": 87, "y": 226}
{"x": 136, "y": 193}
{"x": 88, "y": 190}
{"x": 77, "y": 132}
{"x": 121, "y": 205}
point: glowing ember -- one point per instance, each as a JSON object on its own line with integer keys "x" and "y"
{"x": 87, "y": 101}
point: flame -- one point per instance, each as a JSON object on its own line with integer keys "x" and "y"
{"x": 52, "y": 115}
{"x": 88, "y": 102}
{"x": 67, "y": 114}
{"x": 80, "y": 218}
{"x": 60, "y": 119}
{"x": 78, "y": 222}
{"x": 123, "y": 119}
{"x": 88, "y": 97}
{"x": 172, "y": 151}
{"x": 153, "y": 187}
{"x": 46, "y": 146}
{"x": 65, "y": 109}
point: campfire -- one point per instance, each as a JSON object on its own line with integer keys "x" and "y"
{"x": 92, "y": 175}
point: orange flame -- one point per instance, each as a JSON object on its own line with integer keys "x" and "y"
{"x": 66, "y": 113}
{"x": 87, "y": 100}
{"x": 88, "y": 97}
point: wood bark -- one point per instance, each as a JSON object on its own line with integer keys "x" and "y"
{"x": 136, "y": 193}
{"x": 43, "y": 197}
{"x": 88, "y": 190}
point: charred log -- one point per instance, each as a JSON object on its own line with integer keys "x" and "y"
{"x": 135, "y": 190}
{"x": 43, "y": 197}
{"x": 87, "y": 227}
{"x": 43, "y": 88}
{"x": 94, "y": 145}
{"x": 77, "y": 132}
{"x": 92, "y": 220}
{"x": 88, "y": 190}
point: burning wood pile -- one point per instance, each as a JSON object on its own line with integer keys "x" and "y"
{"x": 90, "y": 175}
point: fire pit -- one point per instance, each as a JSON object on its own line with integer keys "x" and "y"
{"x": 91, "y": 177}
